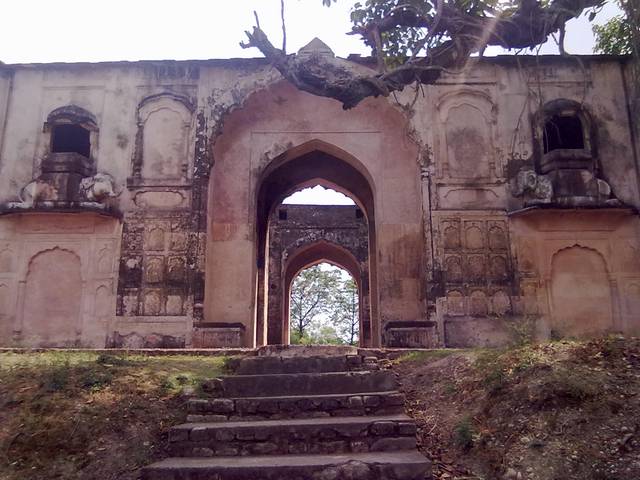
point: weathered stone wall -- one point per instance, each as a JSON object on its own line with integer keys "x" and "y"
{"x": 449, "y": 180}
{"x": 58, "y": 279}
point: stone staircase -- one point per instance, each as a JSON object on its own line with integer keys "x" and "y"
{"x": 294, "y": 413}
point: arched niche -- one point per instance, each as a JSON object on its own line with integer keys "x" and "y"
{"x": 162, "y": 142}
{"x": 51, "y": 311}
{"x": 581, "y": 297}
{"x": 307, "y": 256}
{"x": 466, "y": 140}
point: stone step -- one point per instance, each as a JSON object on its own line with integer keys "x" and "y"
{"x": 275, "y": 385}
{"x": 291, "y": 406}
{"x": 302, "y": 351}
{"x": 409, "y": 465}
{"x": 298, "y": 436}
{"x": 318, "y": 364}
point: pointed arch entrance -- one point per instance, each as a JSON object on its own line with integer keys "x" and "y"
{"x": 282, "y": 140}
{"x": 325, "y": 252}
{"x": 314, "y": 163}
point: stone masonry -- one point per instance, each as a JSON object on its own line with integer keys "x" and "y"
{"x": 308, "y": 413}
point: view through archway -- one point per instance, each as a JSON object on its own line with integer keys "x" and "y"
{"x": 324, "y": 307}
{"x": 312, "y": 208}
{"x": 323, "y": 298}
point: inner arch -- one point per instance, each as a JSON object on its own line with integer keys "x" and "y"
{"x": 315, "y": 254}
{"x": 316, "y": 167}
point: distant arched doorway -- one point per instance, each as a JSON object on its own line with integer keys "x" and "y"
{"x": 325, "y": 252}
{"x": 314, "y": 163}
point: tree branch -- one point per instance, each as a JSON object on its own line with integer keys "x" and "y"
{"x": 284, "y": 28}
{"x": 529, "y": 25}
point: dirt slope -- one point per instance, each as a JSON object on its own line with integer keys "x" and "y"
{"x": 558, "y": 411}
{"x": 91, "y": 417}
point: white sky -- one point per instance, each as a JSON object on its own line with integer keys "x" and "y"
{"x": 90, "y": 31}
{"x": 318, "y": 195}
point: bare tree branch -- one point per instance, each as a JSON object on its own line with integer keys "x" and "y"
{"x": 525, "y": 27}
{"x": 284, "y": 28}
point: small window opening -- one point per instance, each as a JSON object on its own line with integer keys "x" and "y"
{"x": 69, "y": 138}
{"x": 563, "y": 132}
{"x": 359, "y": 213}
{"x": 282, "y": 214}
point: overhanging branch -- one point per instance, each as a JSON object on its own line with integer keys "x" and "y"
{"x": 529, "y": 25}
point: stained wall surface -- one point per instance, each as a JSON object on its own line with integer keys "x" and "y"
{"x": 58, "y": 279}
{"x": 477, "y": 231}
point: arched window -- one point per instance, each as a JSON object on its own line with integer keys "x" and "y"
{"x": 72, "y": 130}
{"x": 70, "y": 138}
{"x": 563, "y": 132}
{"x": 564, "y": 135}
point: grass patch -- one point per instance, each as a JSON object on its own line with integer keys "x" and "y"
{"x": 463, "y": 433}
{"x": 425, "y": 356}
{"x": 88, "y": 416}
{"x": 563, "y": 386}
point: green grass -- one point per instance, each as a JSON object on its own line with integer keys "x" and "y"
{"x": 426, "y": 355}
{"x": 463, "y": 433}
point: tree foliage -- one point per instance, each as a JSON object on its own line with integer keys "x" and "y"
{"x": 415, "y": 41}
{"x": 310, "y": 295}
{"x": 346, "y": 315}
{"x": 616, "y": 36}
{"x": 323, "y": 307}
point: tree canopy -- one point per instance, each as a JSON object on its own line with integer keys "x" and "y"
{"x": 324, "y": 307}
{"x": 415, "y": 41}
{"x": 621, "y": 34}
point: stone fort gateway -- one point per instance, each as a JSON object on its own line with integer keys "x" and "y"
{"x": 141, "y": 203}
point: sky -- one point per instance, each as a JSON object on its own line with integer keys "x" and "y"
{"x": 35, "y": 31}
{"x": 318, "y": 195}
{"x": 111, "y": 30}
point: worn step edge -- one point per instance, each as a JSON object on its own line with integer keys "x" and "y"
{"x": 268, "y": 385}
{"x": 400, "y": 465}
{"x": 284, "y": 406}
{"x": 299, "y": 436}
{"x": 316, "y": 364}
{"x": 296, "y": 422}
{"x": 326, "y": 396}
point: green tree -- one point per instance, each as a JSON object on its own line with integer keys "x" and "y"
{"x": 323, "y": 335}
{"x": 415, "y": 41}
{"x": 346, "y": 313}
{"x": 312, "y": 293}
{"x": 616, "y": 36}
{"x": 324, "y": 307}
